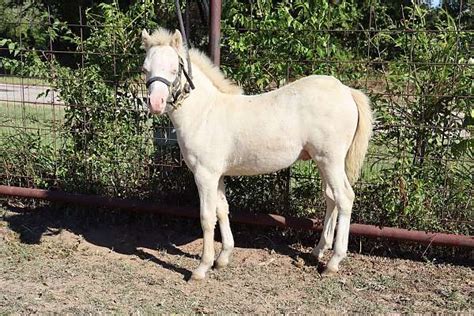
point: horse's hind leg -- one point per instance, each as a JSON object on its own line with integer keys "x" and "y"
{"x": 340, "y": 189}
{"x": 207, "y": 184}
{"x": 224, "y": 225}
{"x": 327, "y": 235}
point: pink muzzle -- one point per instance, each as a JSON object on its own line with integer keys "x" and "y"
{"x": 157, "y": 101}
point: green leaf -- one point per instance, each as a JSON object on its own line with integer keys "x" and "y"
{"x": 11, "y": 47}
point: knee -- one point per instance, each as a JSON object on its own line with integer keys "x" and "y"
{"x": 345, "y": 198}
{"x": 222, "y": 210}
{"x": 344, "y": 204}
{"x": 208, "y": 222}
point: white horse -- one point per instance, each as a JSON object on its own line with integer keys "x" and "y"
{"x": 222, "y": 132}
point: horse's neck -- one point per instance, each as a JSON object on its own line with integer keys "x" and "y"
{"x": 199, "y": 101}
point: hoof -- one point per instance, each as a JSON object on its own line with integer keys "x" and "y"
{"x": 317, "y": 254}
{"x": 220, "y": 264}
{"x": 329, "y": 272}
{"x": 197, "y": 276}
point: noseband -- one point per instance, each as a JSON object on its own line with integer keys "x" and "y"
{"x": 177, "y": 92}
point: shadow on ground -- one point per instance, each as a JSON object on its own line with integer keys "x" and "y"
{"x": 127, "y": 233}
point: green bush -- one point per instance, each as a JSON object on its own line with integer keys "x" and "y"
{"x": 287, "y": 40}
{"x": 422, "y": 181}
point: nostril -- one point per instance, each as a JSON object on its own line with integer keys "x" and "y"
{"x": 162, "y": 100}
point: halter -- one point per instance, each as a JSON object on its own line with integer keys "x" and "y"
{"x": 177, "y": 93}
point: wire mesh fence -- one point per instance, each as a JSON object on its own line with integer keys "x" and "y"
{"x": 73, "y": 116}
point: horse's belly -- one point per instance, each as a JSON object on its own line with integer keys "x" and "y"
{"x": 254, "y": 164}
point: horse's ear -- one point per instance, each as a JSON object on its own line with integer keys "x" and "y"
{"x": 145, "y": 39}
{"x": 177, "y": 40}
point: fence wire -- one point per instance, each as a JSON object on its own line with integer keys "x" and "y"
{"x": 72, "y": 131}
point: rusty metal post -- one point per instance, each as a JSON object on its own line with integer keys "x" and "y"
{"x": 215, "y": 31}
{"x": 187, "y": 24}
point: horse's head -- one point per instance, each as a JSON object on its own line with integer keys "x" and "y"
{"x": 163, "y": 67}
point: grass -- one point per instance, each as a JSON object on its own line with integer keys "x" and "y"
{"x": 20, "y": 116}
{"x": 29, "y": 138}
{"x": 6, "y": 79}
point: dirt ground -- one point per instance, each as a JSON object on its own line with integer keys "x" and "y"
{"x": 49, "y": 263}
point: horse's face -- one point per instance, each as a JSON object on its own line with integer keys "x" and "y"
{"x": 161, "y": 62}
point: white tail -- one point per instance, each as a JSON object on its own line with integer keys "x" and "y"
{"x": 356, "y": 154}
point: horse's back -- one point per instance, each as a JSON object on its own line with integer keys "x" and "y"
{"x": 322, "y": 87}
{"x": 323, "y": 102}
{"x": 319, "y": 80}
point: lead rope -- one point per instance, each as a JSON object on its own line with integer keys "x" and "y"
{"x": 188, "y": 74}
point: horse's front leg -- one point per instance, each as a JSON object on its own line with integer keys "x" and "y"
{"x": 226, "y": 232}
{"x": 207, "y": 187}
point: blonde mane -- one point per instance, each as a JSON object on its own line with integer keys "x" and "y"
{"x": 161, "y": 37}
